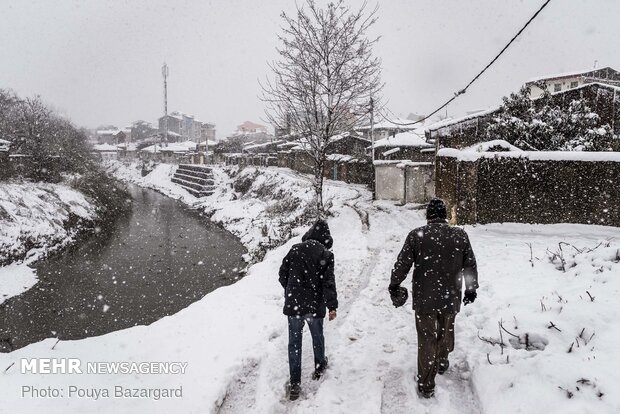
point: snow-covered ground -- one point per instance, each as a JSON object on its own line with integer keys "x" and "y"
{"x": 34, "y": 220}
{"x": 235, "y": 339}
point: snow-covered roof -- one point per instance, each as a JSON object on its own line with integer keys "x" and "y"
{"x": 105, "y": 148}
{"x": 343, "y": 158}
{"x": 264, "y": 144}
{"x": 447, "y": 122}
{"x": 404, "y": 139}
{"x": 532, "y": 155}
{"x": 486, "y": 145}
{"x": 402, "y": 163}
{"x": 4, "y": 142}
{"x": 565, "y": 75}
{"x": 288, "y": 144}
{"x": 186, "y": 146}
{"x": 127, "y": 146}
{"x": 338, "y": 137}
{"x": 108, "y": 131}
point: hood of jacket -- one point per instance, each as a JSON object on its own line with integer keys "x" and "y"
{"x": 320, "y": 232}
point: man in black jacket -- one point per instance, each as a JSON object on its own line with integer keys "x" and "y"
{"x": 442, "y": 257}
{"x": 307, "y": 276}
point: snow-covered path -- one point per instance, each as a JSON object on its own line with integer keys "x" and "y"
{"x": 371, "y": 345}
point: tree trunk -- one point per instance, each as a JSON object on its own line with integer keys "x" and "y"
{"x": 318, "y": 188}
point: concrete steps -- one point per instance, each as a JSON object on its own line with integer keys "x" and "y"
{"x": 196, "y": 179}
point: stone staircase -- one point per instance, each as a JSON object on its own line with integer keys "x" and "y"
{"x": 196, "y": 179}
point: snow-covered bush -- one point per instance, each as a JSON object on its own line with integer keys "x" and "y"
{"x": 545, "y": 125}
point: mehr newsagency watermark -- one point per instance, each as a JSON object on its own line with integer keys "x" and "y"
{"x": 75, "y": 366}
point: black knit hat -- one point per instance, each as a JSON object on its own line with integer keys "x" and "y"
{"x": 436, "y": 210}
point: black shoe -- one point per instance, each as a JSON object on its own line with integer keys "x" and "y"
{"x": 320, "y": 370}
{"x": 426, "y": 393}
{"x": 443, "y": 367}
{"x": 293, "y": 391}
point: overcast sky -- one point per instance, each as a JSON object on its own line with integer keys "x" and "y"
{"x": 99, "y": 62}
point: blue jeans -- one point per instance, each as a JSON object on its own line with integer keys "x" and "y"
{"x": 295, "y": 330}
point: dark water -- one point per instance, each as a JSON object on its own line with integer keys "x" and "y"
{"x": 152, "y": 262}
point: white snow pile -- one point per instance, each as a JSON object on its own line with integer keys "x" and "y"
{"x": 15, "y": 279}
{"x": 35, "y": 216}
{"x": 35, "y": 219}
{"x": 542, "y": 336}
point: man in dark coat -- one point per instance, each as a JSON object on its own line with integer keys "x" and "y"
{"x": 307, "y": 276}
{"x": 442, "y": 258}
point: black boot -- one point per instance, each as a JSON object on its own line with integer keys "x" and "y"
{"x": 443, "y": 367}
{"x": 320, "y": 370}
{"x": 294, "y": 390}
{"x": 424, "y": 393}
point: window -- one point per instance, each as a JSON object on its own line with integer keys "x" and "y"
{"x": 574, "y": 84}
{"x": 557, "y": 87}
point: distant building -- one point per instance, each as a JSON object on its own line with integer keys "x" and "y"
{"x": 388, "y": 127}
{"x": 106, "y": 151}
{"x": 207, "y": 132}
{"x": 566, "y": 81}
{"x": 111, "y": 135}
{"x": 184, "y": 127}
{"x": 141, "y": 130}
{"x": 249, "y": 127}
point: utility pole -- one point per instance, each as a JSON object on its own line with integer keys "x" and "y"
{"x": 372, "y": 143}
{"x": 372, "y": 128}
{"x": 164, "y": 72}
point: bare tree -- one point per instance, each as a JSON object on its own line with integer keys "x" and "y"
{"x": 324, "y": 79}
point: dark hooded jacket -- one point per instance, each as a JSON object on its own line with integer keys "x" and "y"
{"x": 307, "y": 274}
{"x": 442, "y": 257}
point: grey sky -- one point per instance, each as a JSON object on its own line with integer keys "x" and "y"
{"x": 99, "y": 62}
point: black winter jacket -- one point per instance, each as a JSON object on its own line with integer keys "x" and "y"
{"x": 307, "y": 274}
{"x": 441, "y": 256}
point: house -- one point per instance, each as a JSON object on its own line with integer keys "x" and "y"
{"x": 207, "y": 131}
{"x": 465, "y": 131}
{"x": 572, "y": 80}
{"x": 387, "y": 127}
{"x": 460, "y": 132}
{"x": 179, "y": 152}
{"x": 180, "y": 127}
{"x": 106, "y": 151}
{"x": 249, "y": 127}
{"x": 353, "y": 144}
{"x": 141, "y": 130}
{"x": 112, "y": 136}
{"x": 410, "y": 145}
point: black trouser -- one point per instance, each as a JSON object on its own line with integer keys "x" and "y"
{"x": 435, "y": 342}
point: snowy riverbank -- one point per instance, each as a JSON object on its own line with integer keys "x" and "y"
{"x": 263, "y": 208}
{"x": 35, "y": 219}
{"x": 234, "y": 339}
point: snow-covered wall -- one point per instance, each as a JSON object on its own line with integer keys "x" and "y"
{"x": 530, "y": 187}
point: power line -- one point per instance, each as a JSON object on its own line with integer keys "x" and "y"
{"x": 462, "y": 91}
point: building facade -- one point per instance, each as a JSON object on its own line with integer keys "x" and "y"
{"x": 566, "y": 81}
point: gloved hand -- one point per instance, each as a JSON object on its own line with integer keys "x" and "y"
{"x": 470, "y": 297}
{"x": 399, "y": 295}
